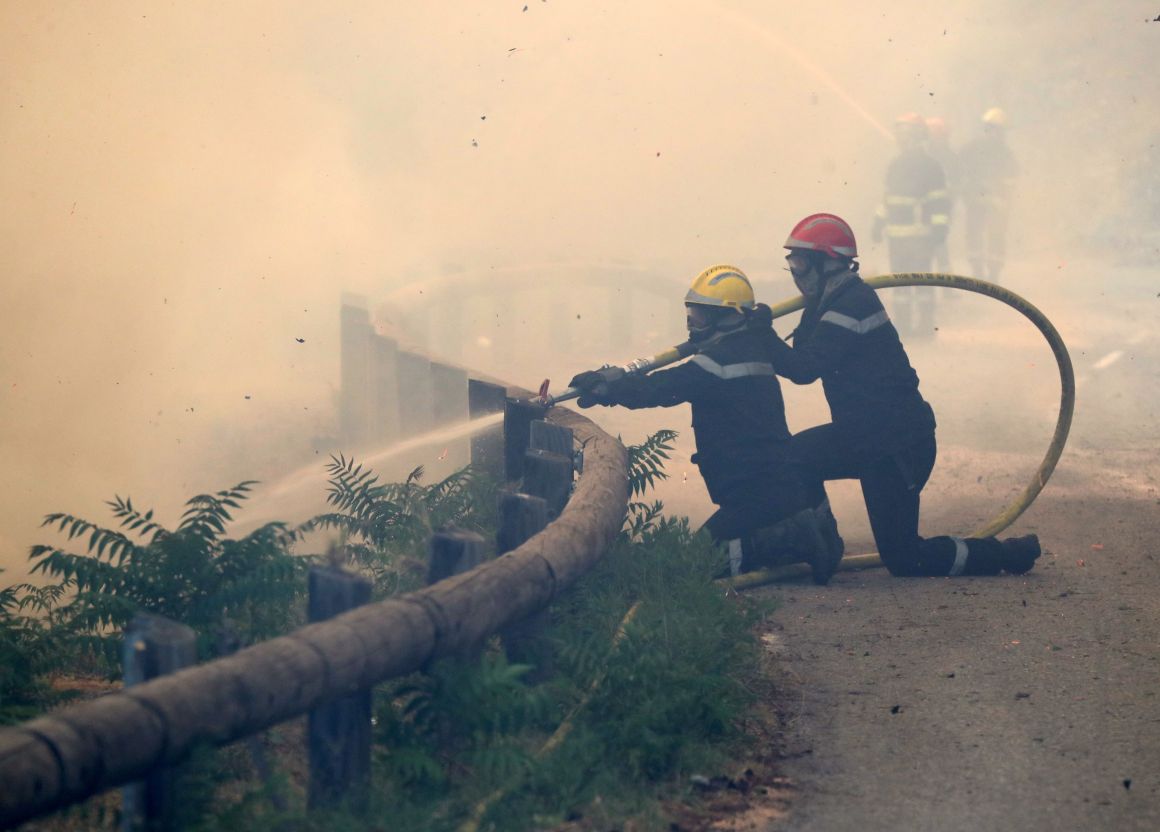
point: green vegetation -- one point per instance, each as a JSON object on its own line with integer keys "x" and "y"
{"x": 193, "y": 574}
{"x": 26, "y": 652}
{"x": 386, "y": 527}
{"x": 649, "y": 669}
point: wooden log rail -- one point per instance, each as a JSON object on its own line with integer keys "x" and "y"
{"x": 78, "y": 751}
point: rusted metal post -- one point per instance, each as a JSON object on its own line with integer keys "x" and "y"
{"x": 154, "y": 646}
{"x": 518, "y": 416}
{"x": 548, "y": 465}
{"x": 483, "y": 399}
{"x": 549, "y": 476}
{"x": 521, "y": 516}
{"x": 453, "y": 551}
{"x": 545, "y": 436}
{"x": 339, "y": 731}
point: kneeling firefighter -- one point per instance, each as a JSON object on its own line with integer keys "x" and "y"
{"x": 764, "y": 517}
{"x": 882, "y": 431}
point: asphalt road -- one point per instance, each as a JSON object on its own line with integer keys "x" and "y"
{"x": 1009, "y": 703}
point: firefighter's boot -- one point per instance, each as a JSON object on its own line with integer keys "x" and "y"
{"x": 990, "y": 556}
{"x": 1020, "y": 553}
{"x": 825, "y": 563}
{"x": 772, "y": 546}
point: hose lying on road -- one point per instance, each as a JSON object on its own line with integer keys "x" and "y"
{"x": 1062, "y": 424}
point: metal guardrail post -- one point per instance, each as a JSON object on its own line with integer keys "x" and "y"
{"x": 521, "y": 517}
{"x": 339, "y": 731}
{"x": 154, "y": 646}
{"x": 484, "y": 399}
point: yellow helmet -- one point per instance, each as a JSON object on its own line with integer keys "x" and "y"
{"x": 996, "y": 117}
{"x": 722, "y": 286}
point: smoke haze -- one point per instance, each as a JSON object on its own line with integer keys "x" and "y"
{"x": 189, "y": 189}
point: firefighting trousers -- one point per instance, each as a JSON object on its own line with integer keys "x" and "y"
{"x": 892, "y": 487}
{"x": 759, "y": 502}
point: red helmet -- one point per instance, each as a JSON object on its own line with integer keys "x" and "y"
{"x": 826, "y": 233}
{"x": 910, "y": 127}
{"x": 937, "y": 127}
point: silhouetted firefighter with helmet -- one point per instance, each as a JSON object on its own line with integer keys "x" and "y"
{"x": 767, "y": 516}
{"x": 882, "y": 431}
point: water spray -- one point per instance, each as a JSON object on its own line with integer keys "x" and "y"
{"x": 265, "y": 503}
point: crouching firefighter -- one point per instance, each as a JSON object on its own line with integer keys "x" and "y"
{"x": 764, "y": 516}
{"x": 882, "y": 431}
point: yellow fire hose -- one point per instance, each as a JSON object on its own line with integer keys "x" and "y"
{"x": 1062, "y": 425}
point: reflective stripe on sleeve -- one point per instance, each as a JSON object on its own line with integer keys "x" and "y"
{"x": 853, "y": 324}
{"x": 960, "y": 557}
{"x": 731, "y": 371}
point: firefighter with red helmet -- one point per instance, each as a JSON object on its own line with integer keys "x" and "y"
{"x": 914, "y": 218}
{"x": 989, "y": 170}
{"x": 882, "y": 431}
{"x": 764, "y": 516}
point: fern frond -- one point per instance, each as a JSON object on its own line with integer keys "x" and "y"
{"x": 646, "y": 460}
{"x": 134, "y": 520}
{"x": 207, "y": 514}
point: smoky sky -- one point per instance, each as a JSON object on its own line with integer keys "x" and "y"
{"x": 188, "y": 189}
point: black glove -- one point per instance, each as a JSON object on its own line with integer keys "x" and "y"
{"x": 760, "y": 318}
{"x": 595, "y": 386}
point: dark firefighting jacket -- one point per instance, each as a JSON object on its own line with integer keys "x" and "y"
{"x": 738, "y": 412}
{"x": 848, "y": 341}
{"x": 917, "y": 203}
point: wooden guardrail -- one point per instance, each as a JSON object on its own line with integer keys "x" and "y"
{"x": 70, "y": 754}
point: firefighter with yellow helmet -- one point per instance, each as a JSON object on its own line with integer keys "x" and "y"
{"x": 989, "y": 170}
{"x": 914, "y": 218}
{"x": 738, "y": 413}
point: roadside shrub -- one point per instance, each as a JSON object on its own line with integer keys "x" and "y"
{"x": 386, "y": 527}
{"x": 26, "y": 652}
{"x": 193, "y": 574}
